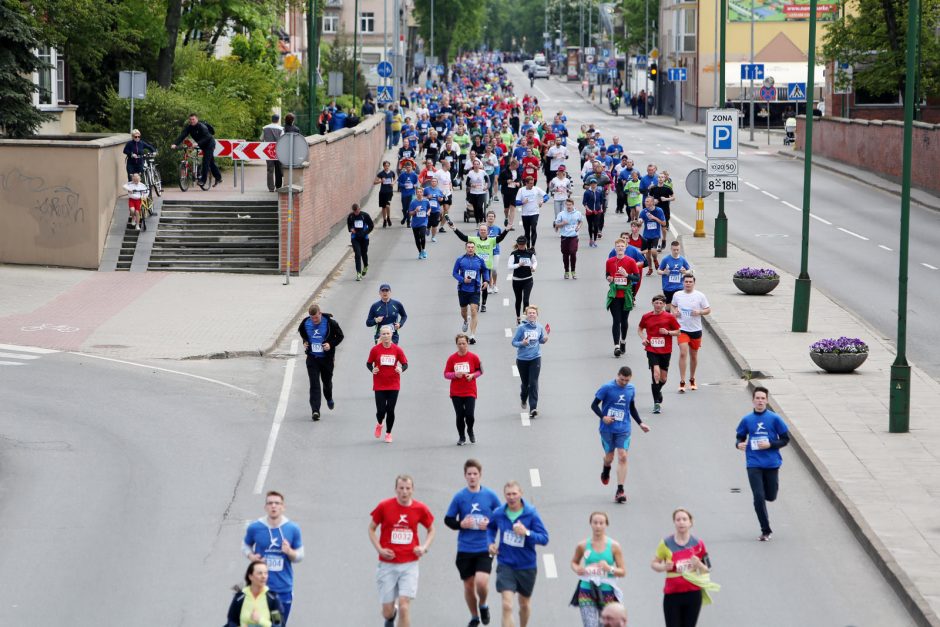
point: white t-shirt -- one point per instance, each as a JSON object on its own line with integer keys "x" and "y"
{"x": 444, "y": 181}
{"x": 558, "y": 156}
{"x": 529, "y": 200}
{"x": 477, "y": 181}
{"x": 136, "y": 190}
{"x": 560, "y": 189}
{"x": 685, "y": 303}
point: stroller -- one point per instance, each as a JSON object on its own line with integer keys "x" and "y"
{"x": 790, "y": 128}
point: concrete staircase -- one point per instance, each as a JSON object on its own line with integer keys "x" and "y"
{"x": 128, "y": 246}
{"x": 217, "y": 236}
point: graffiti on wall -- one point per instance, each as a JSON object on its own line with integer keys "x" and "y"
{"x": 56, "y": 208}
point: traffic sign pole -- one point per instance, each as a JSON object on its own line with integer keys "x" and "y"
{"x": 721, "y": 222}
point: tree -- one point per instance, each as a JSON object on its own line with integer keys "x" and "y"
{"x": 456, "y": 23}
{"x": 171, "y": 25}
{"x": 18, "y": 42}
{"x": 339, "y": 58}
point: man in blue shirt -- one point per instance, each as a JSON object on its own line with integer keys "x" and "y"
{"x": 648, "y": 180}
{"x": 761, "y": 434}
{"x": 321, "y": 335}
{"x": 472, "y": 275}
{"x": 612, "y": 402}
{"x": 407, "y": 182}
{"x": 615, "y": 149}
{"x": 386, "y": 311}
{"x": 469, "y": 514}
{"x": 673, "y": 268}
{"x": 419, "y": 210}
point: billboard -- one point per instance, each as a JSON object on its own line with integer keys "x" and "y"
{"x": 779, "y": 11}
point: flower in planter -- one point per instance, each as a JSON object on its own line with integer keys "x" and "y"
{"x": 842, "y": 345}
{"x": 757, "y": 273}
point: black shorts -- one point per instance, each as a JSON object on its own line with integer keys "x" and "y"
{"x": 515, "y": 580}
{"x": 434, "y": 219}
{"x": 447, "y": 200}
{"x": 385, "y": 198}
{"x": 650, "y": 244}
{"x": 468, "y": 298}
{"x": 658, "y": 359}
{"x": 669, "y": 295}
{"x": 469, "y": 564}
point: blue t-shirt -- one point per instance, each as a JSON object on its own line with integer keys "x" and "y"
{"x": 651, "y": 228}
{"x": 267, "y": 542}
{"x": 494, "y": 231}
{"x": 767, "y": 427}
{"x": 614, "y": 150}
{"x": 317, "y": 335}
{"x": 615, "y": 401}
{"x": 474, "y": 505}
{"x": 673, "y": 281}
{"x": 407, "y": 182}
{"x": 421, "y": 208}
{"x": 433, "y": 195}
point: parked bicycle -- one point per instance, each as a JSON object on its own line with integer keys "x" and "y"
{"x": 151, "y": 175}
{"x": 190, "y": 169}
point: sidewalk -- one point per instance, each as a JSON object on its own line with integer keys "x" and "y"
{"x": 886, "y": 486}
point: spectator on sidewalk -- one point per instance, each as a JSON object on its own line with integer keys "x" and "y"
{"x": 641, "y": 103}
{"x": 368, "y": 107}
{"x": 289, "y": 126}
{"x": 321, "y": 335}
{"x": 271, "y": 133}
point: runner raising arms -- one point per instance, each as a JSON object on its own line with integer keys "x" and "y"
{"x": 612, "y": 402}
{"x": 656, "y": 329}
{"x": 386, "y": 362}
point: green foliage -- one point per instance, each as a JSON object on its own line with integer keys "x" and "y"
{"x": 338, "y": 57}
{"x": 456, "y": 23}
{"x": 257, "y": 49}
{"x": 18, "y": 40}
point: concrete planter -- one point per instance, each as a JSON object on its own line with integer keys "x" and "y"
{"x": 838, "y": 363}
{"x": 756, "y": 287}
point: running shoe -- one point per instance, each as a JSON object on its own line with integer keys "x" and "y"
{"x": 574, "y": 276}
{"x": 316, "y": 416}
{"x": 657, "y": 408}
{"x": 420, "y": 256}
{"x": 473, "y": 340}
{"x": 620, "y": 497}
{"x": 567, "y": 275}
{"x": 524, "y": 404}
{"x": 617, "y": 351}
{"x": 442, "y": 230}
{"x": 330, "y": 404}
{"x": 402, "y": 221}
{"x": 485, "y": 614}
{"x": 681, "y": 387}
{"x": 388, "y": 438}
{"x": 534, "y": 413}
{"x": 433, "y": 239}
{"x": 358, "y": 276}
{"x": 605, "y": 475}
{"x": 365, "y": 270}
{"x": 764, "y": 537}
{"x": 623, "y": 348}
{"x": 473, "y": 438}
{"x": 496, "y": 289}
{"x": 466, "y": 325}
{"x": 461, "y": 442}
{"x": 482, "y": 308}
{"x": 473, "y": 622}
{"x": 692, "y": 384}
{"x": 378, "y": 431}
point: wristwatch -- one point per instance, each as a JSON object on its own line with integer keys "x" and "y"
{"x": 527, "y": 533}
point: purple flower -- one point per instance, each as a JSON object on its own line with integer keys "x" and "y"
{"x": 757, "y": 273}
{"x": 840, "y": 345}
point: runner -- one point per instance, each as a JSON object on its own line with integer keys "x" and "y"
{"x": 386, "y": 362}
{"x": 386, "y": 178}
{"x": 530, "y": 199}
{"x": 509, "y": 184}
{"x": 484, "y": 247}
{"x": 568, "y": 223}
{"x": 673, "y": 268}
{"x": 634, "y": 197}
{"x": 597, "y": 561}
{"x": 761, "y": 434}
{"x": 528, "y": 340}
{"x": 653, "y": 221}
{"x": 469, "y": 513}
{"x": 514, "y": 531}
{"x": 621, "y": 272}
{"x": 360, "y": 225}
{"x": 276, "y": 541}
{"x": 386, "y": 311}
{"x": 657, "y": 329}
{"x": 664, "y": 195}
{"x": 684, "y": 559}
{"x": 419, "y": 210}
{"x": 612, "y": 402}
{"x": 593, "y": 203}
{"x": 477, "y": 186}
{"x": 523, "y": 263}
{"x": 462, "y": 370}
{"x": 494, "y": 231}
{"x": 435, "y": 198}
{"x": 445, "y": 182}
{"x": 321, "y": 335}
{"x": 407, "y": 182}
{"x": 399, "y": 549}
{"x": 689, "y": 306}
{"x": 556, "y": 156}
{"x": 559, "y": 187}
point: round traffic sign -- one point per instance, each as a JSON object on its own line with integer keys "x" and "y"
{"x": 612, "y": 63}
{"x": 696, "y": 183}
{"x": 384, "y": 69}
{"x": 768, "y": 93}
{"x": 292, "y": 149}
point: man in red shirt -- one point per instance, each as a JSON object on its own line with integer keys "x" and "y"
{"x": 462, "y": 369}
{"x": 657, "y": 328}
{"x": 386, "y": 363}
{"x": 530, "y": 166}
{"x": 621, "y": 271}
{"x": 399, "y": 549}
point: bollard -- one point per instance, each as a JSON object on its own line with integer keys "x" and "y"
{"x": 699, "y": 218}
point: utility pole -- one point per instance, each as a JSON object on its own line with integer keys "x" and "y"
{"x": 355, "y": 57}
{"x": 751, "y": 95}
{"x": 646, "y": 28}
{"x": 313, "y": 63}
{"x": 432, "y": 28}
{"x": 385, "y": 38}
{"x": 721, "y": 222}
{"x": 717, "y": 103}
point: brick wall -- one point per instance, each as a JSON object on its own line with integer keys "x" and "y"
{"x": 876, "y": 145}
{"x": 340, "y": 171}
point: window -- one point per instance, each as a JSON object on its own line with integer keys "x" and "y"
{"x": 60, "y": 79}
{"x": 685, "y": 35}
{"x": 367, "y": 22}
{"x": 330, "y": 23}
{"x": 47, "y": 79}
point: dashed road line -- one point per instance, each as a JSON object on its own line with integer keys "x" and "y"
{"x": 823, "y": 220}
{"x": 27, "y": 349}
{"x": 927, "y": 265}
{"x": 751, "y": 185}
{"x": 551, "y": 572}
{"x": 515, "y": 371}
{"x": 794, "y": 207}
{"x": 526, "y": 421}
{"x": 535, "y": 478}
{"x": 852, "y": 233}
{"x": 883, "y": 247}
{"x": 508, "y": 332}
{"x": 279, "y": 414}
{"x": 505, "y": 302}
{"x": 19, "y": 356}
{"x": 766, "y": 193}
{"x": 11, "y": 363}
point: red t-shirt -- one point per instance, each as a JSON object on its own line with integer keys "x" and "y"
{"x": 530, "y": 167}
{"x": 400, "y": 527}
{"x": 653, "y": 322}
{"x": 638, "y": 242}
{"x": 386, "y": 359}
{"x": 462, "y": 364}
{"x": 627, "y": 264}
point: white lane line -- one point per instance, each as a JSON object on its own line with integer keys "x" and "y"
{"x": 544, "y": 95}
{"x": 515, "y": 370}
{"x": 149, "y": 367}
{"x": 766, "y": 193}
{"x": 535, "y": 478}
{"x": 794, "y": 207}
{"x": 823, "y": 220}
{"x": 27, "y": 349}
{"x": 18, "y": 356}
{"x": 526, "y": 421}
{"x": 505, "y": 302}
{"x": 848, "y": 232}
{"x": 680, "y": 221}
{"x": 11, "y": 363}
{"x": 279, "y": 414}
{"x": 927, "y": 265}
{"x": 696, "y": 157}
{"x": 749, "y": 184}
{"x": 508, "y": 332}
{"x": 665, "y": 152}
{"x": 637, "y": 152}
{"x": 551, "y": 572}
{"x": 883, "y": 247}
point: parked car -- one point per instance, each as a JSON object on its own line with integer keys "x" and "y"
{"x": 540, "y": 71}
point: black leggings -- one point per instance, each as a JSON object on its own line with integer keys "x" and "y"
{"x": 463, "y": 407}
{"x": 620, "y": 317}
{"x": 666, "y": 212}
{"x": 361, "y": 251}
{"x": 478, "y": 202}
{"x": 681, "y": 608}
{"x": 385, "y": 401}
{"x": 529, "y": 226}
{"x": 421, "y": 234}
{"x": 593, "y": 222}
{"x": 522, "y": 289}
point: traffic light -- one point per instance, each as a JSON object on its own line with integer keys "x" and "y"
{"x": 653, "y": 72}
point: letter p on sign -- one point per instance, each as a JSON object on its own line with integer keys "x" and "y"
{"x": 721, "y": 137}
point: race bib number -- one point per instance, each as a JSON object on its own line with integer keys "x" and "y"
{"x": 275, "y": 562}
{"x": 652, "y": 226}
{"x": 620, "y": 280}
{"x": 686, "y": 312}
{"x": 358, "y": 224}
{"x": 755, "y": 442}
{"x": 402, "y": 536}
{"x": 387, "y": 360}
{"x": 470, "y": 274}
{"x": 616, "y": 414}
{"x": 675, "y": 278}
{"x": 658, "y": 342}
{"x": 316, "y": 348}
{"x": 409, "y": 185}
{"x": 434, "y": 204}
{"x": 462, "y": 367}
{"x": 684, "y": 566}
{"x": 483, "y": 255}
{"x": 421, "y": 213}
{"x": 532, "y": 336}
{"x": 510, "y": 538}
{"x": 525, "y": 261}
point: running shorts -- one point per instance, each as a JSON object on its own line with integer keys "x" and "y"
{"x": 515, "y": 580}
{"x": 613, "y": 441}
{"x": 658, "y": 359}
{"x": 692, "y": 338}
{"x": 468, "y": 298}
{"x": 396, "y": 580}
{"x": 469, "y": 564}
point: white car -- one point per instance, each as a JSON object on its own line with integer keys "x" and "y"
{"x": 540, "y": 71}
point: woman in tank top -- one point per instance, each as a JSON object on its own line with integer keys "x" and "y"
{"x": 597, "y": 561}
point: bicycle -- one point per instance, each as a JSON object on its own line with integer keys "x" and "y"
{"x": 146, "y": 209}
{"x": 151, "y": 175}
{"x": 190, "y": 170}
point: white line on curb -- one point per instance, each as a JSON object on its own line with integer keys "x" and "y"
{"x": 535, "y": 478}
{"x": 18, "y": 356}
{"x": 279, "y": 414}
{"x": 848, "y": 232}
{"x": 11, "y": 363}
{"x": 551, "y": 572}
{"x": 27, "y": 349}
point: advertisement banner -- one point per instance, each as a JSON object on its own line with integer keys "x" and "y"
{"x": 572, "y": 64}
{"x": 779, "y": 11}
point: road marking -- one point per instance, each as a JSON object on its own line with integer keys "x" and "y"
{"x": 535, "y": 478}
{"x": 852, "y": 234}
{"x": 672, "y": 229}
{"x": 637, "y": 152}
{"x": 27, "y": 349}
{"x": 696, "y": 157}
{"x": 749, "y": 184}
{"x": 515, "y": 370}
{"x": 279, "y": 414}
{"x": 18, "y": 356}
{"x": 505, "y": 302}
{"x": 794, "y": 207}
{"x": 927, "y": 265}
{"x": 544, "y": 95}
{"x": 149, "y": 367}
{"x": 11, "y": 363}
{"x": 816, "y": 217}
{"x": 679, "y": 220}
{"x": 508, "y": 332}
{"x": 766, "y": 193}
{"x": 526, "y": 421}
{"x": 551, "y": 572}
{"x": 883, "y": 247}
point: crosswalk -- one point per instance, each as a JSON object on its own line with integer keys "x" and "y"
{"x": 13, "y": 355}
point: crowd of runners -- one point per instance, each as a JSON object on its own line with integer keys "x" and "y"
{"x": 471, "y": 133}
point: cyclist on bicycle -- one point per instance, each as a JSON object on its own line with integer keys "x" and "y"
{"x": 134, "y": 154}
{"x": 202, "y": 133}
{"x": 136, "y": 191}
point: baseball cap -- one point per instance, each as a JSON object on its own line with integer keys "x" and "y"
{"x": 521, "y": 239}
{"x": 561, "y": 167}
{"x": 385, "y": 286}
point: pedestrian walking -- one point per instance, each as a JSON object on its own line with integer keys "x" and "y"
{"x": 689, "y": 305}
{"x": 321, "y": 335}
{"x": 255, "y": 604}
{"x": 684, "y": 560}
{"x": 656, "y": 330}
{"x": 761, "y": 434}
{"x": 386, "y": 362}
{"x": 360, "y": 225}
{"x": 528, "y": 340}
{"x": 513, "y": 533}
{"x": 399, "y": 549}
{"x": 271, "y": 133}
{"x": 134, "y": 152}
{"x": 276, "y": 541}
{"x": 597, "y": 562}
{"x": 462, "y": 370}
{"x": 386, "y": 311}
{"x": 469, "y": 514}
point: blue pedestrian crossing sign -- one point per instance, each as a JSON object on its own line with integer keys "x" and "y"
{"x": 796, "y": 91}
{"x": 384, "y": 69}
{"x": 385, "y": 93}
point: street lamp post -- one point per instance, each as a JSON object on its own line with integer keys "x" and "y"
{"x": 355, "y": 56}
{"x": 721, "y": 221}
{"x": 751, "y": 95}
{"x": 646, "y": 28}
{"x": 432, "y": 29}
{"x": 313, "y": 62}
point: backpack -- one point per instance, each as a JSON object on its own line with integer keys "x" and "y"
{"x": 210, "y": 128}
